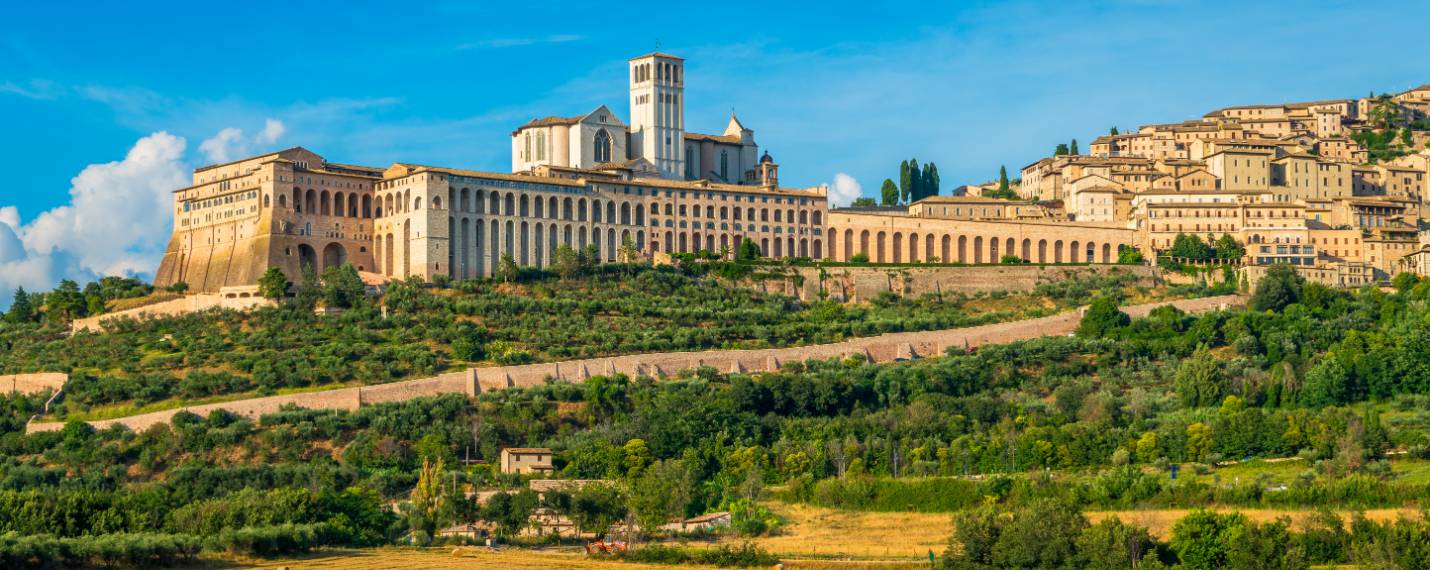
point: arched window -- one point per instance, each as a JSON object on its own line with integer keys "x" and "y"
{"x": 603, "y": 146}
{"x": 417, "y": 204}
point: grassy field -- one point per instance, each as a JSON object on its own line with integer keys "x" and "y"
{"x": 1160, "y": 521}
{"x": 817, "y": 532}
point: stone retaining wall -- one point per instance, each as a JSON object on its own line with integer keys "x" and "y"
{"x": 473, "y": 381}
{"x": 860, "y": 283}
{"x": 172, "y": 307}
{"x": 32, "y": 383}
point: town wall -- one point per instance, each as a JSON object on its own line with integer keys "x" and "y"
{"x": 884, "y": 348}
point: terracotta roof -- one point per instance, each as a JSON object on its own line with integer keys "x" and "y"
{"x": 657, "y": 54}
{"x": 526, "y": 450}
{"x": 732, "y": 139}
{"x": 549, "y": 121}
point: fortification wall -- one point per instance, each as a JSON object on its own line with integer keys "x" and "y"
{"x": 36, "y": 383}
{"x": 883, "y": 348}
{"x": 172, "y": 307}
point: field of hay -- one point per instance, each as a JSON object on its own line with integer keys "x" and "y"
{"x": 1160, "y": 521}
{"x": 817, "y": 532}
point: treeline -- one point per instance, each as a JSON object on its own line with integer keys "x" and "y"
{"x": 914, "y": 184}
{"x": 1050, "y": 534}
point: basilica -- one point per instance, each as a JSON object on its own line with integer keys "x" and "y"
{"x": 591, "y": 181}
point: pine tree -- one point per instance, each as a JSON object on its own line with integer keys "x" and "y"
{"x": 906, "y": 183}
{"x": 21, "y": 308}
{"x": 1072, "y": 149}
{"x": 1002, "y": 179}
{"x": 889, "y": 194}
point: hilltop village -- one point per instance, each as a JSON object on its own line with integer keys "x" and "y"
{"x": 1335, "y": 188}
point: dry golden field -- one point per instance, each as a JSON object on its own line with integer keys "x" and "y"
{"x": 448, "y": 559}
{"x": 819, "y": 532}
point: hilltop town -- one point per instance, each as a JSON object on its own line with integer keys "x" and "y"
{"x": 1336, "y": 188}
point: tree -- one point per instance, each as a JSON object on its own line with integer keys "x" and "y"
{"x": 906, "y": 181}
{"x": 596, "y": 506}
{"x": 889, "y": 193}
{"x": 1072, "y": 148}
{"x": 65, "y": 302}
{"x": 1326, "y": 384}
{"x": 628, "y": 252}
{"x": 915, "y": 177}
{"x": 1227, "y": 248}
{"x": 1061, "y": 150}
{"x": 661, "y": 493}
{"x": 1112, "y": 131}
{"x": 866, "y": 202}
{"x": 1403, "y": 282}
{"x": 1199, "y": 441}
{"x": 506, "y": 269}
{"x": 1041, "y": 536}
{"x": 429, "y": 500}
{"x": 1203, "y": 539}
{"x": 565, "y": 262}
{"x": 932, "y": 184}
{"x": 1130, "y": 256}
{"x": 273, "y": 285}
{"x": 1281, "y": 286}
{"x": 749, "y": 250}
{"x": 1199, "y": 380}
{"x": 1101, "y": 318}
{"x": 179, "y": 287}
{"x": 343, "y": 287}
{"x": 1114, "y": 545}
{"x": 21, "y": 308}
{"x": 1003, "y": 179}
{"x": 509, "y": 512}
{"x": 1190, "y": 247}
{"x": 310, "y": 288}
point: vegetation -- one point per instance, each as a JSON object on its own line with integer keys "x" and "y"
{"x": 419, "y": 330}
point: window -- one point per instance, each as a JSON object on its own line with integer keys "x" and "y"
{"x": 603, "y": 146}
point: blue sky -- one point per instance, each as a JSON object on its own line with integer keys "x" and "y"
{"x": 829, "y": 88}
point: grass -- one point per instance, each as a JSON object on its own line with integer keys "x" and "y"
{"x": 1160, "y": 521}
{"x": 815, "y": 532}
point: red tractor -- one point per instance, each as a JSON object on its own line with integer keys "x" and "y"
{"x": 607, "y": 547}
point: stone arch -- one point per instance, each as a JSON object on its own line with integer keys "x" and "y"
{"x": 1027, "y": 249}
{"x": 1107, "y": 253}
{"x": 325, "y": 204}
{"x": 1042, "y": 251}
{"x": 993, "y": 250}
{"x": 913, "y": 248}
{"x": 1058, "y": 251}
{"x": 367, "y": 206}
{"x": 898, "y": 252}
{"x": 864, "y": 244}
{"x": 339, "y": 204}
{"x": 334, "y": 255}
{"x": 946, "y": 249}
{"x": 881, "y": 248}
{"x": 1008, "y": 247}
{"x": 307, "y": 257}
{"x": 978, "y": 249}
{"x": 310, "y": 202}
{"x": 818, "y": 252}
{"x": 1073, "y": 252}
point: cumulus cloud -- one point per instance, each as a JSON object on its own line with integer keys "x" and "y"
{"x": 844, "y": 190}
{"x": 230, "y": 143}
{"x": 116, "y": 223}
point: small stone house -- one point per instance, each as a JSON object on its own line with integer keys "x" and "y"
{"x": 526, "y": 460}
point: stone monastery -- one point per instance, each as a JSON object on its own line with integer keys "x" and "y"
{"x": 650, "y": 188}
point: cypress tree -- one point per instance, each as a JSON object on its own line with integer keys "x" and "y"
{"x": 1072, "y": 149}
{"x": 906, "y": 182}
{"x": 915, "y": 177}
{"x": 1002, "y": 179}
{"x": 933, "y": 182}
{"x": 1113, "y": 131}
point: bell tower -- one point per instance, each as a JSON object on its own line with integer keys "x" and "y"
{"x": 658, "y": 112}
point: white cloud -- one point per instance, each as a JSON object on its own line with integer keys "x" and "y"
{"x": 117, "y": 221}
{"x": 38, "y": 89}
{"x": 844, "y": 190}
{"x": 520, "y": 42}
{"x": 230, "y": 144}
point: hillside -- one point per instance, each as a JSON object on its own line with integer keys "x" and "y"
{"x": 1094, "y": 422}
{"x": 420, "y": 330}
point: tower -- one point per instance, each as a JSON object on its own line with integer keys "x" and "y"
{"x": 658, "y": 112}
